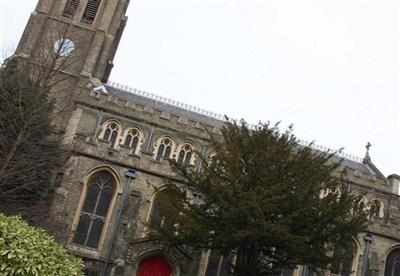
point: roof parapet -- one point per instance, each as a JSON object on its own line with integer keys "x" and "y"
{"x": 219, "y": 117}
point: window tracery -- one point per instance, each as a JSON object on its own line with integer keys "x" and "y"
{"x": 186, "y": 154}
{"x": 164, "y": 148}
{"x": 110, "y": 132}
{"x": 100, "y": 191}
{"x": 392, "y": 266}
{"x": 133, "y": 139}
{"x": 376, "y": 209}
{"x": 360, "y": 204}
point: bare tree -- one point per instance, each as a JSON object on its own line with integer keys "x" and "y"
{"x": 30, "y": 151}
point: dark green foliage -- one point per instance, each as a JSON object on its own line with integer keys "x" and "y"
{"x": 28, "y": 152}
{"x": 262, "y": 202}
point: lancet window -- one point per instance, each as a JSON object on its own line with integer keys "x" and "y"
{"x": 100, "y": 191}
{"x": 157, "y": 218}
{"x": 392, "y": 266}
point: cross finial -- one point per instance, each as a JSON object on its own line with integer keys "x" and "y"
{"x": 367, "y": 158}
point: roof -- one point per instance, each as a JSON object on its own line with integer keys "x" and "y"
{"x": 211, "y": 118}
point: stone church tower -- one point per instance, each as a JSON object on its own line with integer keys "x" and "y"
{"x": 89, "y": 32}
{"x": 120, "y": 140}
{"x": 94, "y": 29}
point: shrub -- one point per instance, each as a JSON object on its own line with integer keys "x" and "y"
{"x": 26, "y": 250}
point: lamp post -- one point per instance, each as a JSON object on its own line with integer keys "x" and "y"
{"x": 368, "y": 238}
{"x": 130, "y": 175}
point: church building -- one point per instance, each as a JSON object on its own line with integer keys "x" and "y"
{"x": 120, "y": 140}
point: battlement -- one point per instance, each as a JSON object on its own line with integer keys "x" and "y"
{"x": 218, "y": 117}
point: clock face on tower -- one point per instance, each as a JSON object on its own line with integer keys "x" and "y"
{"x": 64, "y": 47}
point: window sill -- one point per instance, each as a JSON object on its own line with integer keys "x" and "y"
{"x": 134, "y": 155}
{"x": 84, "y": 251}
{"x": 103, "y": 141}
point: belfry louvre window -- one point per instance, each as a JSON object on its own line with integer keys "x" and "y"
{"x": 100, "y": 190}
{"x": 90, "y": 11}
{"x": 70, "y": 8}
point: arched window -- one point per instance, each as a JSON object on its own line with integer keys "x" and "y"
{"x": 185, "y": 155}
{"x": 376, "y": 209}
{"x": 164, "y": 149}
{"x": 392, "y": 266}
{"x": 360, "y": 203}
{"x": 70, "y": 8}
{"x": 157, "y": 219}
{"x": 132, "y": 139}
{"x": 218, "y": 265}
{"x": 343, "y": 267}
{"x": 110, "y": 132}
{"x": 99, "y": 193}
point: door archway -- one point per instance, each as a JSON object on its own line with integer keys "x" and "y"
{"x": 154, "y": 266}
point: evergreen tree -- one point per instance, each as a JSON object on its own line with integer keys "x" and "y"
{"x": 265, "y": 199}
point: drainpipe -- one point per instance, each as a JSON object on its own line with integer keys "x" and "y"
{"x": 203, "y": 153}
{"x": 148, "y": 146}
{"x": 99, "y": 119}
{"x": 130, "y": 175}
{"x": 368, "y": 238}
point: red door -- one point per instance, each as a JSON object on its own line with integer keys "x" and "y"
{"x": 154, "y": 266}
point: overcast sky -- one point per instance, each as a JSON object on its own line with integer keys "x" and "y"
{"x": 330, "y": 67}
